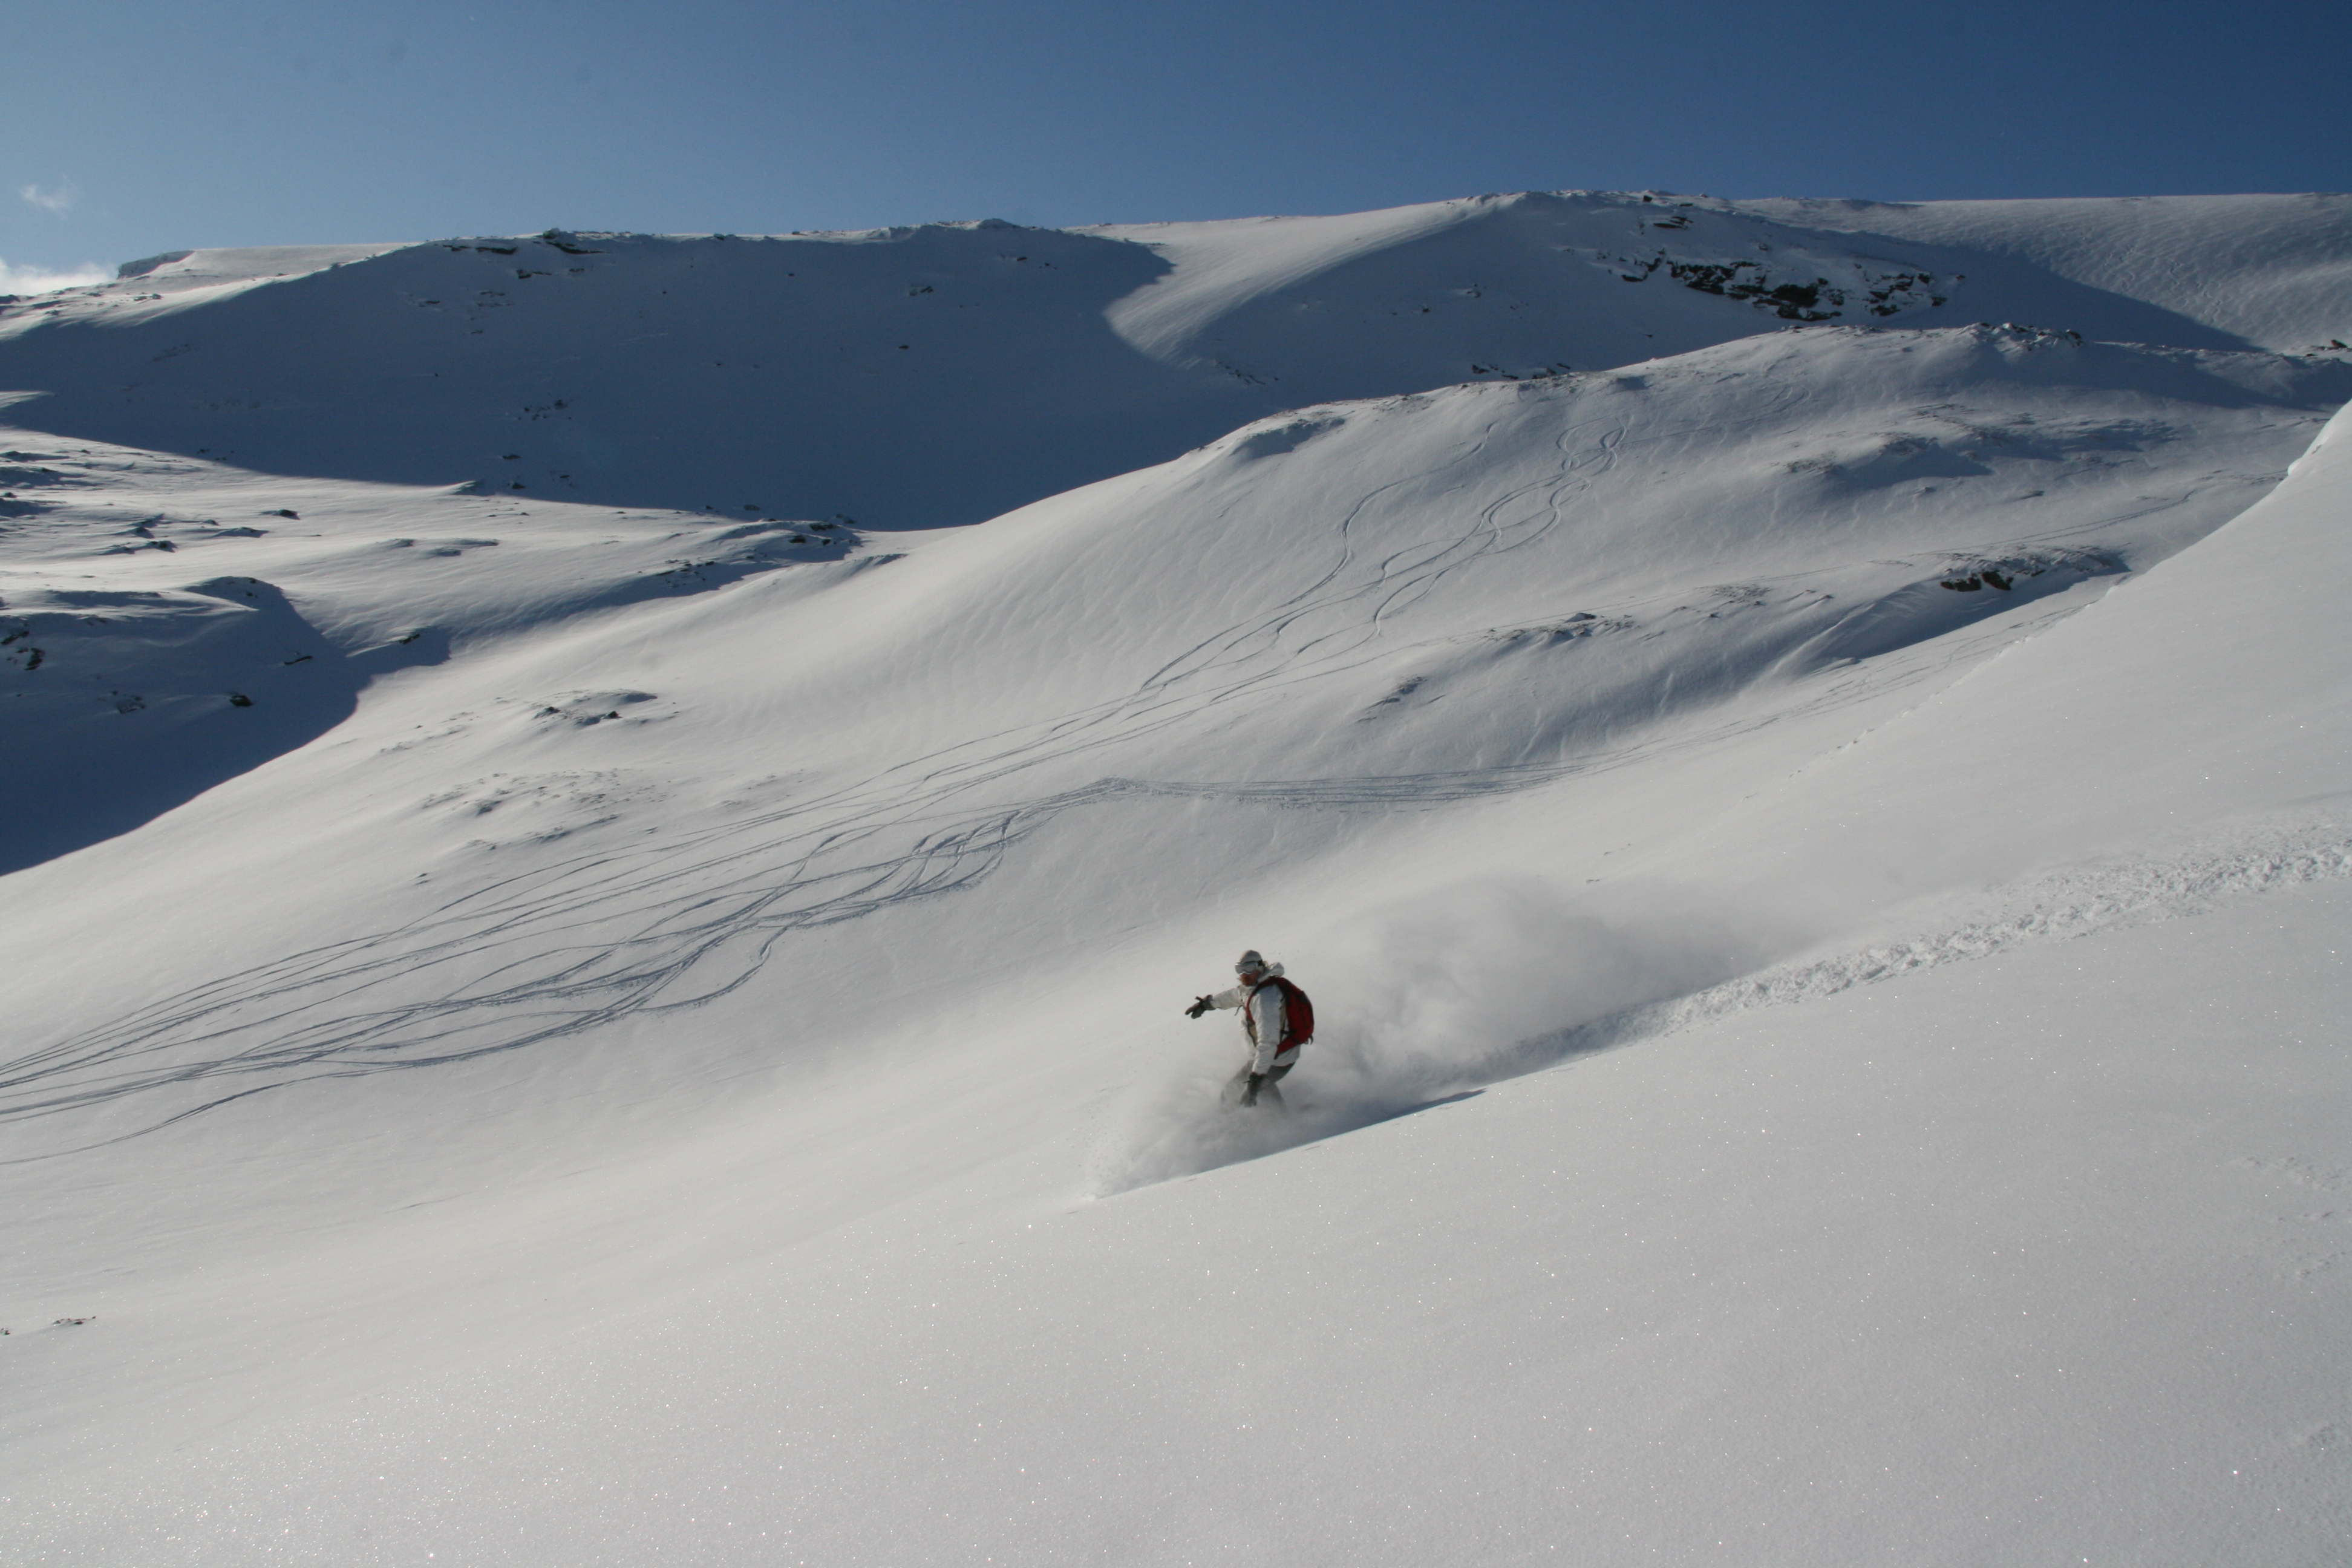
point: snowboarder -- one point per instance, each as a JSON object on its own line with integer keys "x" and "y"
{"x": 1278, "y": 1019}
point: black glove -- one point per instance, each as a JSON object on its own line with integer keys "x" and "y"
{"x": 1200, "y": 1006}
{"x": 1249, "y": 1089}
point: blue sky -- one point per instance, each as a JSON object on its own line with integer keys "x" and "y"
{"x": 137, "y": 127}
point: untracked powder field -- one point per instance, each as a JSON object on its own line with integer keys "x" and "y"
{"x": 608, "y": 837}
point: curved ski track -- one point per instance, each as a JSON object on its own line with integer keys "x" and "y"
{"x": 568, "y": 947}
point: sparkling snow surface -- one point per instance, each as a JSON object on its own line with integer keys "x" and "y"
{"x": 594, "y": 961}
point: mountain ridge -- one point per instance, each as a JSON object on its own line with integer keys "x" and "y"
{"x": 845, "y": 370}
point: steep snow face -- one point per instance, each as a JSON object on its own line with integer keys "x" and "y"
{"x": 918, "y": 377}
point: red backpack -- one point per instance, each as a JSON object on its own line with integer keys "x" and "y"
{"x": 1297, "y": 1014}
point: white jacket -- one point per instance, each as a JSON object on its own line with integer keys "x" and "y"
{"x": 1261, "y": 1009}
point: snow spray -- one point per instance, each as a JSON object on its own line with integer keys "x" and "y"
{"x": 1421, "y": 1003}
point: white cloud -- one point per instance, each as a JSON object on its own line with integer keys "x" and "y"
{"x": 54, "y": 198}
{"x": 41, "y": 279}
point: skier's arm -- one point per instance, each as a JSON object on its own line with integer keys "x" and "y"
{"x": 1226, "y": 1001}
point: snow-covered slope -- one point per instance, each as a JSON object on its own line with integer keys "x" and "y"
{"x": 669, "y": 1043}
{"x": 1532, "y": 283}
{"x": 2270, "y": 271}
{"x": 923, "y": 376}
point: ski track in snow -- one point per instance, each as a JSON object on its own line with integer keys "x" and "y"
{"x": 567, "y": 948}
{"x": 563, "y": 948}
{"x": 1182, "y": 1133}
{"x": 2076, "y": 901}
{"x": 585, "y": 942}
